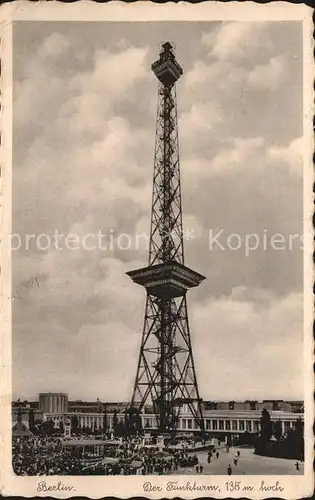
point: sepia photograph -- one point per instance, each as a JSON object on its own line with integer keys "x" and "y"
{"x": 158, "y": 253}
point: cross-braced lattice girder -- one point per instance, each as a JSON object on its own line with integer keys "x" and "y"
{"x": 166, "y": 376}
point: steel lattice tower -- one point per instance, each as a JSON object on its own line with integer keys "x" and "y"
{"x": 166, "y": 377}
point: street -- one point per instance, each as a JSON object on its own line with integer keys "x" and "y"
{"x": 248, "y": 463}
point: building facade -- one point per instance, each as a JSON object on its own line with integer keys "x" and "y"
{"x": 23, "y": 413}
{"x": 216, "y": 421}
{"x": 53, "y": 402}
{"x": 232, "y": 417}
{"x": 79, "y": 406}
{"x": 268, "y": 404}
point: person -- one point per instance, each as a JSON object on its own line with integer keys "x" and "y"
{"x": 297, "y": 466}
{"x": 209, "y": 459}
{"x": 238, "y": 453}
{"x": 229, "y": 470}
{"x": 201, "y": 469}
{"x": 197, "y": 469}
{"x": 235, "y": 461}
{"x": 217, "y": 454}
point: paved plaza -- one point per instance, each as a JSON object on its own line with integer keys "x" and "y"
{"x": 248, "y": 463}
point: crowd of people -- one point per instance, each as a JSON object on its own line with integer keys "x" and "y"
{"x": 42, "y": 456}
{"x": 47, "y": 455}
{"x": 150, "y": 463}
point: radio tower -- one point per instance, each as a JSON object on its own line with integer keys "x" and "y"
{"x": 166, "y": 377}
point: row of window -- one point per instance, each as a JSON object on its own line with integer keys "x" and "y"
{"x": 234, "y": 425}
{"x": 82, "y": 420}
{"x": 189, "y": 423}
{"x": 211, "y": 405}
{"x": 228, "y": 425}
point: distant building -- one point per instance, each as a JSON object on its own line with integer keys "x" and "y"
{"x": 217, "y": 422}
{"x": 250, "y": 405}
{"x": 117, "y": 406}
{"x": 22, "y": 413}
{"x": 53, "y": 402}
{"x": 210, "y": 405}
{"x": 221, "y": 417}
{"x": 297, "y": 406}
{"x": 230, "y": 405}
{"x": 79, "y": 406}
{"x": 26, "y": 404}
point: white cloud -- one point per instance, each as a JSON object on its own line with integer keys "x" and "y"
{"x": 202, "y": 72}
{"x": 202, "y": 119}
{"x": 290, "y": 155}
{"x": 259, "y": 339}
{"x": 54, "y": 46}
{"x": 96, "y": 93}
{"x": 268, "y": 76}
{"x": 85, "y": 144}
{"x": 201, "y": 80}
{"x": 237, "y": 40}
{"x": 239, "y": 156}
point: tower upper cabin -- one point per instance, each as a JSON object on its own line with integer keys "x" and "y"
{"x": 166, "y": 68}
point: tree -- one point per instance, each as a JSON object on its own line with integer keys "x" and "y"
{"x": 138, "y": 422}
{"x": 299, "y": 428}
{"x": 299, "y": 436}
{"x": 31, "y": 419}
{"x": 48, "y": 427}
{"x": 277, "y": 430}
{"x": 121, "y": 428}
{"x": 295, "y": 441}
{"x": 132, "y": 420}
{"x": 115, "y": 422}
{"x": 128, "y": 422}
{"x": 105, "y": 422}
{"x": 265, "y": 426}
{"x": 74, "y": 423}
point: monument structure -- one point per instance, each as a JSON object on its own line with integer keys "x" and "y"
{"x": 166, "y": 377}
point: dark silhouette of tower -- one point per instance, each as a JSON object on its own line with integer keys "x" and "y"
{"x": 166, "y": 377}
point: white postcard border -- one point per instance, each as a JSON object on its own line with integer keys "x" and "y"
{"x": 125, "y": 487}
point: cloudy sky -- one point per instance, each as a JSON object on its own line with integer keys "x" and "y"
{"x": 84, "y": 124}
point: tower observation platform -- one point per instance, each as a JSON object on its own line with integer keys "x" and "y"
{"x": 170, "y": 279}
{"x": 166, "y": 377}
{"x": 166, "y": 68}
